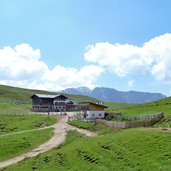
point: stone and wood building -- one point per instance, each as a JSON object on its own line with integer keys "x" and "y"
{"x": 61, "y": 103}
{"x": 52, "y": 103}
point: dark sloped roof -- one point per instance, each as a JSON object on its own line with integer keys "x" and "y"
{"x": 47, "y": 96}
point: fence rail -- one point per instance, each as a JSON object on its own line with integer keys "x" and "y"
{"x": 135, "y": 122}
{"x": 140, "y": 117}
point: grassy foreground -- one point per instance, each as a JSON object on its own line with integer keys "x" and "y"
{"x": 129, "y": 150}
{"x": 13, "y": 145}
{"x": 15, "y": 123}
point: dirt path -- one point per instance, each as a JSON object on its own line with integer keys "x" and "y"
{"x": 59, "y": 136}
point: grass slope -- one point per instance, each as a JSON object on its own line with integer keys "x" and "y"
{"x": 9, "y": 94}
{"x": 163, "y": 105}
{"x": 15, "y": 123}
{"x": 129, "y": 150}
{"x": 13, "y": 145}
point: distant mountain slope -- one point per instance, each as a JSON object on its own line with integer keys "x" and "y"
{"x": 81, "y": 90}
{"x": 9, "y": 93}
{"x": 112, "y": 95}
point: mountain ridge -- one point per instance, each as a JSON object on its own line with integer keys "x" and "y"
{"x": 113, "y": 95}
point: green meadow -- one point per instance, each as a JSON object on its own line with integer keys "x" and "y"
{"x": 129, "y": 150}
{"x": 163, "y": 105}
{"x": 15, "y": 123}
{"x": 112, "y": 150}
{"x": 19, "y": 134}
{"x": 15, "y": 144}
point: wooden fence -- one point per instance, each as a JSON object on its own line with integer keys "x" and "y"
{"x": 134, "y": 123}
{"x": 140, "y": 117}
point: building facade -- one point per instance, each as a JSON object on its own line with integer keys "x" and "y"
{"x": 92, "y": 110}
{"x": 50, "y": 103}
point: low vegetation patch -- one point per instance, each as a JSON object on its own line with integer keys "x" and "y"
{"x": 82, "y": 124}
{"x": 164, "y": 123}
{"x": 97, "y": 127}
{"x": 132, "y": 150}
{"x": 13, "y": 145}
{"x": 15, "y": 123}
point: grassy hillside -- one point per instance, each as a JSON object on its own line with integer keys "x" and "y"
{"x": 115, "y": 105}
{"x": 163, "y": 105}
{"x": 15, "y": 100}
{"x": 10, "y": 94}
{"x": 130, "y": 150}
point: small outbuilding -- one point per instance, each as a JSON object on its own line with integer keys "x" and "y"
{"x": 92, "y": 110}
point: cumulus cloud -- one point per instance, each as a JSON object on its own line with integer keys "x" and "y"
{"x": 72, "y": 77}
{"x": 22, "y": 66}
{"x": 20, "y": 63}
{"x": 120, "y": 59}
{"x": 153, "y": 56}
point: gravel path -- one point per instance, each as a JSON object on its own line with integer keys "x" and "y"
{"x": 60, "y": 129}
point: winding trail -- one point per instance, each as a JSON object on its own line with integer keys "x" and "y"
{"x": 60, "y": 129}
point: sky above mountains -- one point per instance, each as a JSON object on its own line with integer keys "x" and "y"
{"x": 57, "y": 44}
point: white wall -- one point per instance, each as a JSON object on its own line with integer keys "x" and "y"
{"x": 95, "y": 114}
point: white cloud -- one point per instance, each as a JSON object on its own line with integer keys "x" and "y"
{"x": 22, "y": 66}
{"x": 120, "y": 59}
{"x": 20, "y": 63}
{"x": 71, "y": 77}
{"x": 131, "y": 83}
{"x": 123, "y": 59}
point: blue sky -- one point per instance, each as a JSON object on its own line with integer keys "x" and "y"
{"x": 56, "y": 44}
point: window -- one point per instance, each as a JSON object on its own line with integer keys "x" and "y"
{"x": 100, "y": 114}
{"x": 92, "y": 114}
